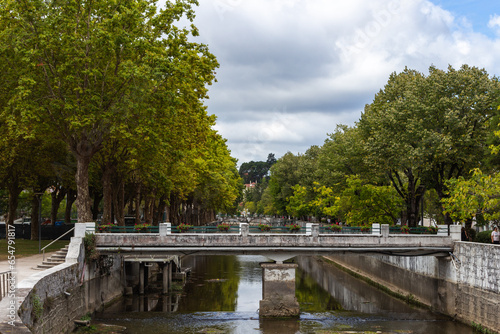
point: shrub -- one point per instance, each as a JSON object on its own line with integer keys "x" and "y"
{"x": 335, "y": 228}
{"x": 91, "y": 253}
{"x": 103, "y": 228}
{"x": 184, "y": 227}
{"x": 432, "y": 229}
{"x": 223, "y": 227}
{"x": 264, "y": 227}
{"x": 142, "y": 227}
{"x": 293, "y": 227}
{"x": 483, "y": 237}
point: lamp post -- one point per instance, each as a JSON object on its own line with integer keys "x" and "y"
{"x": 39, "y": 221}
{"x": 40, "y": 224}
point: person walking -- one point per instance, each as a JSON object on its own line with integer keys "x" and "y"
{"x": 495, "y": 236}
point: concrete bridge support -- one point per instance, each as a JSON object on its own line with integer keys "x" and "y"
{"x": 278, "y": 290}
{"x": 167, "y": 277}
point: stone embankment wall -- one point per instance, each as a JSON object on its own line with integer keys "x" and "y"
{"x": 465, "y": 286}
{"x": 49, "y": 302}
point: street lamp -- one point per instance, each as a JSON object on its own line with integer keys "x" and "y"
{"x": 39, "y": 222}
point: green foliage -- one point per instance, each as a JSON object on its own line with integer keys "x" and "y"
{"x": 362, "y": 203}
{"x": 298, "y": 204}
{"x": 91, "y": 253}
{"x": 37, "y": 307}
{"x": 184, "y": 227}
{"x": 224, "y": 227}
{"x": 264, "y": 227}
{"x": 284, "y": 175}
{"x": 423, "y": 130}
{"x": 480, "y": 329}
{"x": 293, "y": 227}
{"x": 335, "y": 228}
{"x": 483, "y": 237}
{"x": 478, "y": 195}
{"x": 256, "y": 171}
{"x": 124, "y": 80}
{"x": 142, "y": 227}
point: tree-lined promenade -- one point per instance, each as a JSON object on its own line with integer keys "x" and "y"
{"x": 104, "y": 99}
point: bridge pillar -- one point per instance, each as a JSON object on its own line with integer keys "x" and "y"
{"x": 167, "y": 277}
{"x": 312, "y": 230}
{"x": 384, "y": 230}
{"x": 278, "y": 290}
{"x": 244, "y": 229}
{"x": 165, "y": 228}
{"x": 456, "y": 232}
{"x": 141, "y": 278}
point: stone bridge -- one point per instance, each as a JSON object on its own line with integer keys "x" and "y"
{"x": 278, "y": 246}
{"x": 278, "y": 278}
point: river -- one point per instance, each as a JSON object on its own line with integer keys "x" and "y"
{"x": 223, "y": 292}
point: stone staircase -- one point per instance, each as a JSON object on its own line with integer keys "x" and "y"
{"x": 55, "y": 259}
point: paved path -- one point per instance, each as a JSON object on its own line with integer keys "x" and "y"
{"x": 25, "y": 265}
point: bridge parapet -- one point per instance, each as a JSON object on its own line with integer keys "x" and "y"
{"x": 311, "y": 242}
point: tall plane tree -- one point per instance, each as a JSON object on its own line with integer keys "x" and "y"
{"x": 423, "y": 130}
{"x": 89, "y": 61}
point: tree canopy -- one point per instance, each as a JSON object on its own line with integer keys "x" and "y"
{"x": 420, "y": 134}
{"x": 123, "y": 80}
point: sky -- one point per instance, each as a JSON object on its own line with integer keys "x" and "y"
{"x": 292, "y": 70}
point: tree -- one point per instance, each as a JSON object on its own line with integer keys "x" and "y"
{"x": 421, "y": 131}
{"x": 285, "y": 174}
{"x": 256, "y": 171}
{"x": 478, "y": 195}
{"x": 343, "y": 154}
{"x": 93, "y": 67}
{"x": 363, "y": 203}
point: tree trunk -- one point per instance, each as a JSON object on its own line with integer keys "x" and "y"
{"x": 107, "y": 192}
{"x": 35, "y": 216}
{"x": 148, "y": 211}
{"x": 119, "y": 202}
{"x": 138, "y": 204}
{"x": 413, "y": 199}
{"x": 160, "y": 211}
{"x": 70, "y": 199}
{"x": 57, "y": 196}
{"x": 14, "y": 192}
{"x": 97, "y": 197}
{"x": 82, "y": 187}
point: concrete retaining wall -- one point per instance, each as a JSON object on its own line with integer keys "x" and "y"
{"x": 466, "y": 287}
{"x": 49, "y": 302}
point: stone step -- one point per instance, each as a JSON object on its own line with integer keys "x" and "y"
{"x": 55, "y": 259}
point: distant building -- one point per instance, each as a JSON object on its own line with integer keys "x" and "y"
{"x": 250, "y": 185}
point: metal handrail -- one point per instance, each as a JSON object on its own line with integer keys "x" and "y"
{"x": 4, "y": 283}
{"x": 43, "y": 249}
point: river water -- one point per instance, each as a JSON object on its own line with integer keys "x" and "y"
{"x": 223, "y": 292}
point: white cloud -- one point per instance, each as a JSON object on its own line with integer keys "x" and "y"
{"x": 494, "y": 23}
{"x": 291, "y": 70}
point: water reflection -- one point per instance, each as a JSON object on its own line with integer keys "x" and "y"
{"x": 223, "y": 292}
{"x": 353, "y": 294}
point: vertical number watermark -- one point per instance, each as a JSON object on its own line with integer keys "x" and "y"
{"x": 11, "y": 287}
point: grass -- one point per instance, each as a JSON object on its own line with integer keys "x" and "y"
{"x": 25, "y": 248}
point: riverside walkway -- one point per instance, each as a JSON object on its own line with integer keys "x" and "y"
{"x": 310, "y": 240}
